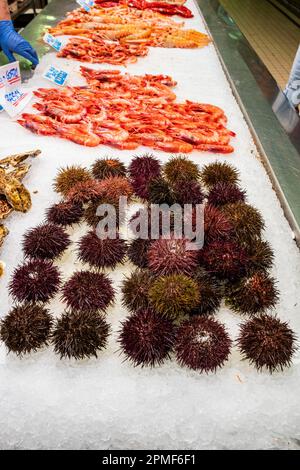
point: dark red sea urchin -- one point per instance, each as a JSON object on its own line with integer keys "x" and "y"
{"x": 267, "y": 343}
{"x": 87, "y": 290}
{"x": 147, "y": 166}
{"x": 35, "y": 281}
{"x": 64, "y": 213}
{"x": 80, "y": 334}
{"x": 188, "y": 192}
{"x": 252, "y": 295}
{"x": 226, "y": 260}
{"x": 202, "y": 344}
{"x": 216, "y": 225}
{"x": 69, "y": 177}
{"x": 146, "y": 338}
{"x": 26, "y": 328}
{"x": 46, "y": 241}
{"x": 106, "y": 253}
{"x": 113, "y": 187}
{"x": 225, "y": 193}
{"x": 135, "y": 290}
{"x": 170, "y": 255}
{"x": 174, "y": 295}
{"x": 138, "y": 252}
{"x": 106, "y": 167}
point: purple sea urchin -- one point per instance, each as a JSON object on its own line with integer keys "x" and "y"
{"x": 171, "y": 255}
{"x": 147, "y": 166}
{"x": 219, "y": 172}
{"x": 64, "y": 213}
{"x": 267, "y": 343}
{"x": 138, "y": 252}
{"x": 181, "y": 169}
{"x": 188, "y": 192}
{"x": 225, "y": 193}
{"x": 69, "y": 177}
{"x": 46, "y": 241}
{"x": 106, "y": 167}
{"x": 80, "y": 334}
{"x": 106, "y": 253}
{"x": 160, "y": 192}
{"x": 174, "y": 295}
{"x": 87, "y": 290}
{"x": 211, "y": 293}
{"x": 140, "y": 185}
{"x": 84, "y": 192}
{"x": 202, "y": 344}
{"x": 252, "y": 295}
{"x": 216, "y": 225}
{"x": 224, "y": 259}
{"x": 135, "y": 290}
{"x": 146, "y": 338}
{"x": 35, "y": 281}
{"x": 246, "y": 220}
{"x": 26, "y": 328}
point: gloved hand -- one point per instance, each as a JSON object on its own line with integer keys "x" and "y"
{"x": 11, "y": 41}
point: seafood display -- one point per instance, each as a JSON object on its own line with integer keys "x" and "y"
{"x": 130, "y": 26}
{"x": 125, "y": 111}
{"x": 13, "y": 194}
{"x": 163, "y": 7}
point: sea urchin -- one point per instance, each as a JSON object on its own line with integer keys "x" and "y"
{"x": 80, "y": 334}
{"x": 171, "y": 255}
{"x": 69, "y": 177}
{"x": 106, "y": 167}
{"x": 146, "y": 338}
{"x": 174, "y": 295}
{"x": 181, "y": 169}
{"x": 219, "y": 172}
{"x": 87, "y": 290}
{"x": 252, "y": 295}
{"x": 101, "y": 253}
{"x": 135, "y": 290}
{"x": 64, "y": 213}
{"x": 202, "y": 344}
{"x": 26, "y": 328}
{"x": 46, "y": 241}
{"x": 267, "y": 342}
{"x": 35, "y": 281}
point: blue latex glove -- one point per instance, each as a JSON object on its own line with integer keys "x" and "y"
{"x": 11, "y": 41}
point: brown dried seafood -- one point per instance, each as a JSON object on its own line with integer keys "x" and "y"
{"x": 13, "y": 194}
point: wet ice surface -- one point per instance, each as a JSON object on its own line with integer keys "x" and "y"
{"x": 105, "y": 403}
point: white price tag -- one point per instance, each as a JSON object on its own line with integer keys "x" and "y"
{"x": 12, "y": 98}
{"x": 52, "y": 41}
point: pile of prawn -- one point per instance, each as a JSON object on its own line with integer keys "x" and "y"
{"x": 127, "y": 25}
{"x": 125, "y": 111}
{"x": 97, "y": 50}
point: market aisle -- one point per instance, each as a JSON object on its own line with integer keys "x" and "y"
{"x": 273, "y": 36}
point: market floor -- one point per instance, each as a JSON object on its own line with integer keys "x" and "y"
{"x": 273, "y": 36}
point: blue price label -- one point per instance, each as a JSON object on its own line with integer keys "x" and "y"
{"x": 57, "y": 76}
{"x": 53, "y": 42}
